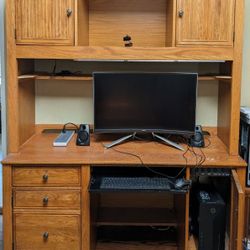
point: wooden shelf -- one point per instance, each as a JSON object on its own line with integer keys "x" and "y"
{"x": 134, "y": 246}
{"x": 136, "y": 217}
{"x": 90, "y": 78}
{"x": 192, "y": 245}
{"x": 48, "y": 77}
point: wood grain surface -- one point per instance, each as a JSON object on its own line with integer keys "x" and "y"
{"x": 151, "y": 153}
{"x": 63, "y": 231}
{"x": 120, "y": 53}
{"x": 47, "y": 23}
{"x": 205, "y": 22}
{"x": 47, "y": 199}
{"x": 34, "y": 176}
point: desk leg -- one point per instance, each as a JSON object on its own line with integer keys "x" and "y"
{"x": 7, "y": 208}
{"x": 85, "y": 208}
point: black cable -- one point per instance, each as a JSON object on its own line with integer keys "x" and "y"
{"x": 69, "y": 123}
{"x": 54, "y": 69}
{"x": 209, "y": 142}
{"x": 148, "y": 168}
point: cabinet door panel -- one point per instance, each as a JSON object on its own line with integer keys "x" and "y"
{"x": 237, "y": 213}
{"x": 201, "y": 22}
{"x": 45, "y": 22}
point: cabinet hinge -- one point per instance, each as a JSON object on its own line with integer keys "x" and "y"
{"x": 15, "y": 33}
{"x": 234, "y": 36}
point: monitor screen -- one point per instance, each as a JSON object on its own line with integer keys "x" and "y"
{"x": 145, "y": 102}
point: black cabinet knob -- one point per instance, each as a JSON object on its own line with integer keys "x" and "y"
{"x": 45, "y": 235}
{"x": 45, "y": 177}
{"x": 45, "y": 200}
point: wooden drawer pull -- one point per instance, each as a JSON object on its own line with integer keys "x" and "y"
{"x": 46, "y": 200}
{"x": 45, "y": 235}
{"x": 45, "y": 177}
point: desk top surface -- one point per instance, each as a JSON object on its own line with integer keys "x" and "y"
{"x": 39, "y": 150}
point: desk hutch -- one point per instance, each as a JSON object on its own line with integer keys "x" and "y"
{"x": 46, "y": 200}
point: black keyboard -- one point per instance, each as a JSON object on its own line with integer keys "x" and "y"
{"x": 135, "y": 183}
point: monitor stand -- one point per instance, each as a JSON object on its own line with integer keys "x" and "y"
{"x": 133, "y": 137}
{"x": 168, "y": 142}
{"x": 121, "y": 140}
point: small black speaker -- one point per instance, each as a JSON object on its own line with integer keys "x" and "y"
{"x": 197, "y": 140}
{"x": 83, "y": 136}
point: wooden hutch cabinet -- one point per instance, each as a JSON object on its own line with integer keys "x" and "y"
{"x": 47, "y": 203}
{"x": 45, "y": 22}
{"x": 205, "y": 22}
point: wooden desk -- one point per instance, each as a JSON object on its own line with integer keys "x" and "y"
{"x": 40, "y": 171}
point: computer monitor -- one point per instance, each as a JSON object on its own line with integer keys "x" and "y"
{"x": 128, "y": 102}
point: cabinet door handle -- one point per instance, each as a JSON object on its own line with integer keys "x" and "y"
{"x": 45, "y": 200}
{"x": 45, "y": 235}
{"x": 45, "y": 177}
{"x": 181, "y": 13}
{"x": 69, "y": 12}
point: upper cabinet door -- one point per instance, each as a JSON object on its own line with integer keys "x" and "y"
{"x": 205, "y": 22}
{"x": 45, "y": 22}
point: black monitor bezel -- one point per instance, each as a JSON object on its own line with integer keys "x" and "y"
{"x": 143, "y": 131}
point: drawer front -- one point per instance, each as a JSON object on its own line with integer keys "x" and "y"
{"x": 46, "y": 176}
{"x": 38, "y": 231}
{"x": 47, "y": 199}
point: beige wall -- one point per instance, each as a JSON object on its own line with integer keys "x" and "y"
{"x": 71, "y": 101}
{"x": 245, "y": 90}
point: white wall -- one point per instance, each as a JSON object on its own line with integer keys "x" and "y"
{"x": 71, "y": 101}
{"x": 2, "y": 86}
{"x": 245, "y": 90}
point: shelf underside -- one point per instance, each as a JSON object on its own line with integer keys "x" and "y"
{"x": 136, "y": 217}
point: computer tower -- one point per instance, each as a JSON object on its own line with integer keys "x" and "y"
{"x": 209, "y": 219}
{"x": 244, "y": 143}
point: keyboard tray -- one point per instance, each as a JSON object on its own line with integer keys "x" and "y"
{"x": 133, "y": 184}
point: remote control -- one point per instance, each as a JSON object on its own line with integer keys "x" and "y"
{"x": 63, "y": 139}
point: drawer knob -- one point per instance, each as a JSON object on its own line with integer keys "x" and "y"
{"x": 181, "y": 13}
{"x": 69, "y": 12}
{"x": 45, "y": 200}
{"x": 45, "y": 177}
{"x": 45, "y": 235}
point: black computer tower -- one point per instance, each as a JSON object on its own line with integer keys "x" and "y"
{"x": 209, "y": 219}
{"x": 244, "y": 144}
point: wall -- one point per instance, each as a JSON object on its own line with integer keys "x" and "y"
{"x": 71, "y": 101}
{"x": 2, "y": 86}
{"x": 245, "y": 90}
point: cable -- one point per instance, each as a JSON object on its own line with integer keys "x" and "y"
{"x": 69, "y": 123}
{"x": 54, "y": 69}
{"x": 199, "y": 159}
{"x": 148, "y": 168}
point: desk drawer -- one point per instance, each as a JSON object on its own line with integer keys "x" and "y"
{"x": 38, "y": 231}
{"x": 47, "y": 199}
{"x": 46, "y": 176}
